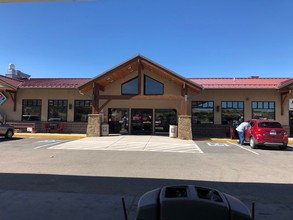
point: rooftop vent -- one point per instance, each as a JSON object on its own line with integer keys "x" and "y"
{"x": 254, "y": 77}
{"x": 16, "y": 74}
{"x": 11, "y": 67}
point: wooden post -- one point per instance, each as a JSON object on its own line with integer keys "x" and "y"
{"x": 139, "y": 76}
{"x": 95, "y": 104}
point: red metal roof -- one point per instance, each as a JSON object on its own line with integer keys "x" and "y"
{"x": 53, "y": 82}
{"x": 286, "y": 83}
{"x": 207, "y": 83}
{"x": 240, "y": 83}
{"x": 10, "y": 81}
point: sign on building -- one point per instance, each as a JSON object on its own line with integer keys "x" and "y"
{"x": 290, "y": 104}
{"x": 2, "y": 98}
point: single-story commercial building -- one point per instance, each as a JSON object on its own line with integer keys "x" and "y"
{"x": 140, "y": 97}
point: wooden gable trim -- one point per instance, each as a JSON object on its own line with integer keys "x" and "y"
{"x": 169, "y": 75}
{"x": 105, "y": 104}
{"x": 13, "y": 96}
{"x": 11, "y": 90}
{"x": 6, "y": 87}
{"x": 283, "y": 99}
{"x": 137, "y": 63}
{"x": 108, "y": 76}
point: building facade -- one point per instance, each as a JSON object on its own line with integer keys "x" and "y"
{"x": 140, "y": 96}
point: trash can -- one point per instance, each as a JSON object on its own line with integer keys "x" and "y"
{"x": 105, "y": 129}
{"x": 173, "y": 131}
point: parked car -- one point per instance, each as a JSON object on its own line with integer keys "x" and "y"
{"x": 6, "y": 130}
{"x": 266, "y": 133}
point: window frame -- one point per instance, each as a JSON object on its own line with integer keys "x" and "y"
{"x": 86, "y": 105}
{"x": 35, "y": 103}
{"x": 262, "y": 105}
{"x": 233, "y": 105}
{"x": 163, "y": 118}
{"x": 209, "y": 108}
{"x": 145, "y": 88}
{"x": 58, "y": 107}
{"x": 127, "y": 82}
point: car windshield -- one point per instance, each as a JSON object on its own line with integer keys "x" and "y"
{"x": 269, "y": 125}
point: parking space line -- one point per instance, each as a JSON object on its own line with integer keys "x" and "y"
{"x": 198, "y": 148}
{"x": 243, "y": 148}
{"x": 50, "y": 144}
{"x": 217, "y": 144}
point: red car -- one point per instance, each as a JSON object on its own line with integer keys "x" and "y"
{"x": 266, "y": 133}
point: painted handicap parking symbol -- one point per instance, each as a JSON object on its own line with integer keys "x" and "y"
{"x": 218, "y": 144}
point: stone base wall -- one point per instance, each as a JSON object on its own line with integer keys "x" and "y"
{"x": 94, "y": 125}
{"x": 184, "y": 127}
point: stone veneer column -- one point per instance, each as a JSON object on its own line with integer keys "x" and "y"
{"x": 184, "y": 127}
{"x": 94, "y": 125}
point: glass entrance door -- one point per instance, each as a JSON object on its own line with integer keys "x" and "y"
{"x": 163, "y": 119}
{"x": 118, "y": 120}
{"x": 142, "y": 121}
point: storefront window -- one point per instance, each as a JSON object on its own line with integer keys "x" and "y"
{"x": 152, "y": 86}
{"x": 163, "y": 119}
{"x": 263, "y": 110}
{"x": 202, "y": 112}
{"x": 81, "y": 110}
{"x": 31, "y": 109}
{"x": 130, "y": 87}
{"x": 118, "y": 120}
{"x": 142, "y": 121}
{"x": 57, "y": 109}
{"x": 232, "y": 112}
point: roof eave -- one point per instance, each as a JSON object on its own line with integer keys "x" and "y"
{"x": 190, "y": 83}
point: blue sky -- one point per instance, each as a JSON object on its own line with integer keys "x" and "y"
{"x": 194, "y": 38}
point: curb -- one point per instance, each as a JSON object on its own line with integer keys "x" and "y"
{"x": 290, "y": 140}
{"x": 79, "y": 136}
{"x": 51, "y": 135}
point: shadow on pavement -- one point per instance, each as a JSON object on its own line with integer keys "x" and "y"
{"x": 41, "y": 196}
{"x": 12, "y": 139}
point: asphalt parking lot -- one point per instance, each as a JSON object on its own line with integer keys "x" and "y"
{"x": 85, "y": 178}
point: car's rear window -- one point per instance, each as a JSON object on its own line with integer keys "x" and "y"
{"x": 269, "y": 125}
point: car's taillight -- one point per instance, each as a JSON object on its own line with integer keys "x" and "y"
{"x": 258, "y": 133}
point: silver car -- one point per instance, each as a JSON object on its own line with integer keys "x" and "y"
{"x": 6, "y": 130}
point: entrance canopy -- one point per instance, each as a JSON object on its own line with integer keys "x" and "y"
{"x": 138, "y": 63}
